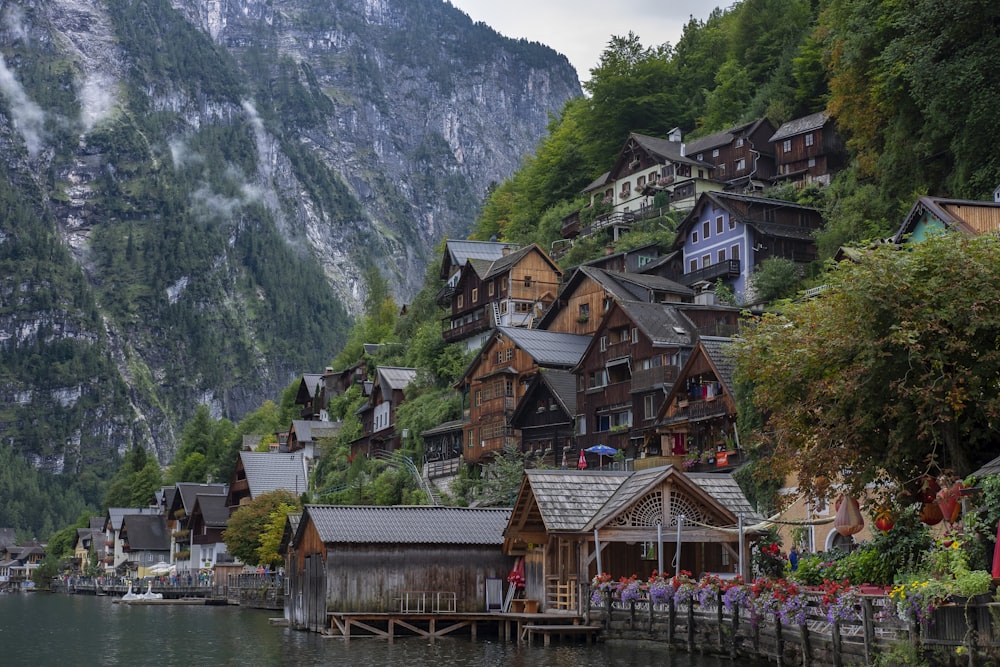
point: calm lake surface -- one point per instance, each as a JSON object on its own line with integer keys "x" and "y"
{"x": 65, "y": 630}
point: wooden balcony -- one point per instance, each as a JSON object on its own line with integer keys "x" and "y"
{"x": 698, "y": 410}
{"x": 452, "y": 334}
{"x": 727, "y": 269}
{"x": 653, "y": 378}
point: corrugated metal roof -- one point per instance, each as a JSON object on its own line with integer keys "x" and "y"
{"x": 269, "y": 471}
{"x": 446, "y": 427}
{"x": 640, "y": 284}
{"x": 395, "y": 377}
{"x": 549, "y": 348}
{"x": 461, "y": 251}
{"x": 799, "y": 125}
{"x": 408, "y": 524}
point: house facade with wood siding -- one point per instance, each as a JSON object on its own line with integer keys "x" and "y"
{"x": 378, "y": 415}
{"x": 364, "y": 559}
{"x": 808, "y": 150}
{"x": 511, "y": 291}
{"x": 934, "y": 215}
{"x": 743, "y": 155}
{"x": 497, "y": 378}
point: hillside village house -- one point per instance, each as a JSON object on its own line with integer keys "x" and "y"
{"x": 379, "y": 559}
{"x": 933, "y": 215}
{"x": 742, "y": 155}
{"x": 511, "y": 291}
{"x": 305, "y": 434}
{"x": 808, "y": 150}
{"x": 145, "y": 542}
{"x": 545, "y": 417}
{"x": 206, "y": 525}
{"x": 258, "y": 473}
{"x": 727, "y": 236}
{"x": 496, "y": 379}
{"x": 571, "y": 525}
{"x": 378, "y": 414}
{"x": 632, "y": 363}
{"x": 116, "y": 557}
{"x": 697, "y": 420}
{"x": 588, "y": 294}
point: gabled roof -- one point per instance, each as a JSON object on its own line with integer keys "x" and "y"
{"x": 337, "y": 524}
{"x": 457, "y": 252}
{"x": 599, "y": 182}
{"x": 617, "y": 284}
{"x": 719, "y": 352}
{"x": 582, "y": 501}
{"x": 561, "y": 385}
{"x": 954, "y": 214}
{"x": 666, "y": 150}
{"x": 269, "y": 471}
{"x": 116, "y": 514}
{"x": 146, "y": 532}
{"x": 213, "y": 510}
{"x": 188, "y": 491}
{"x": 723, "y": 138}
{"x": 991, "y": 468}
{"x": 454, "y": 425}
{"x": 548, "y": 348}
{"x": 309, "y": 431}
{"x": 395, "y": 378}
{"x": 307, "y": 386}
{"x": 663, "y": 324}
{"x": 800, "y": 125}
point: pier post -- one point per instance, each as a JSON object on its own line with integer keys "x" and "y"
{"x": 807, "y": 651}
{"x": 869, "y": 630}
{"x": 718, "y": 619}
{"x": 736, "y": 631}
{"x": 690, "y": 628}
{"x": 835, "y": 636}
{"x": 779, "y": 641}
{"x": 671, "y": 622}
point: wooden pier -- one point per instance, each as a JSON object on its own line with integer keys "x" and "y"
{"x": 518, "y": 627}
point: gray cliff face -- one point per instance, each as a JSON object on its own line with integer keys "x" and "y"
{"x": 187, "y": 154}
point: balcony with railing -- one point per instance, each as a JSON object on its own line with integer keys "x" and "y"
{"x": 698, "y": 409}
{"x": 729, "y": 268}
{"x": 456, "y": 329}
{"x": 646, "y": 379}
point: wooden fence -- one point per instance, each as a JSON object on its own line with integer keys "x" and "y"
{"x": 870, "y": 627}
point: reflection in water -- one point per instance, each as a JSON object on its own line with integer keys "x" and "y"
{"x": 49, "y": 629}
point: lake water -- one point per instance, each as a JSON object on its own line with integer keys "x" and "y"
{"x": 53, "y": 629}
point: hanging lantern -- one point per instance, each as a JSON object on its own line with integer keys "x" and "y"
{"x": 927, "y": 489}
{"x": 848, "y": 520}
{"x": 885, "y": 520}
{"x": 931, "y": 514}
{"x": 948, "y": 501}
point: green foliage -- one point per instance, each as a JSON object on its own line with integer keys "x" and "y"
{"x": 886, "y": 370}
{"x": 270, "y": 536}
{"x": 502, "y": 477}
{"x": 136, "y": 480}
{"x": 775, "y": 278}
{"x": 245, "y": 533}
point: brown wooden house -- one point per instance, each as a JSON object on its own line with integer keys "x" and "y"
{"x": 570, "y": 525}
{"x": 933, "y": 215}
{"x": 366, "y": 559}
{"x": 257, "y": 473}
{"x": 378, "y": 415}
{"x": 589, "y": 293}
{"x": 497, "y": 378}
{"x": 698, "y": 416}
{"x": 808, "y": 150}
{"x": 743, "y": 155}
{"x": 630, "y": 364}
{"x": 511, "y": 291}
{"x": 545, "y": 417}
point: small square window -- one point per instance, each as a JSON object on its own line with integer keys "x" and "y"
{"x": 694, "y": 237}
{"x": 787, "y": 146}
{"x": 527, "y": 281}
{"x": 809, "y": 139}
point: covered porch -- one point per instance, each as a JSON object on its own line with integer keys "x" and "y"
{"x": 569, "y": 526}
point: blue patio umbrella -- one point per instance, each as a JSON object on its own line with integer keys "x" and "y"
{"x": 602, "y": 451}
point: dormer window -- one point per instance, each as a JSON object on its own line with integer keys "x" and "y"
{"x": 739, "y": 142}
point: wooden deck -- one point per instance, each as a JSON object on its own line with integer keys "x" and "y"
{"x": 508, "y": 627}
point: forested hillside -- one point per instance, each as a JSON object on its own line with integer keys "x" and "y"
{"x": 910, "y": 85}
{"x": 194, "y": 195}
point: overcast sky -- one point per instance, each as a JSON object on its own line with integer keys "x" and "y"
{"x": 581, "y": 29}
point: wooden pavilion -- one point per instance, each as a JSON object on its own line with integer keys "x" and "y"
{"x": 567, "y": 522}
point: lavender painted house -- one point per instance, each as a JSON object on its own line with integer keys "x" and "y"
{"x": 726, "y": 236}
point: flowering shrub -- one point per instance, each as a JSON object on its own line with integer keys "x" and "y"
{"x": 661, "y": 590}
{"x": 685, "y": 588}
{"x": 766, "y": 557}
{"x": 839, "y": 600}
{"x": 777, "y": 597}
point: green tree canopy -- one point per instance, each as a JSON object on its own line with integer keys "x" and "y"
{"x": 245, "y": 534}
{"x": 895, "y": 367}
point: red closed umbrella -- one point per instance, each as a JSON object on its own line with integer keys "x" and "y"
{"x": 582, "y": 464}
{"x": 516, "y": 576}
{"x": 996, "y": 556}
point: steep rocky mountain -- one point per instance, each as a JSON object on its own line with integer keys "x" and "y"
{"x": 196, "y": 189}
